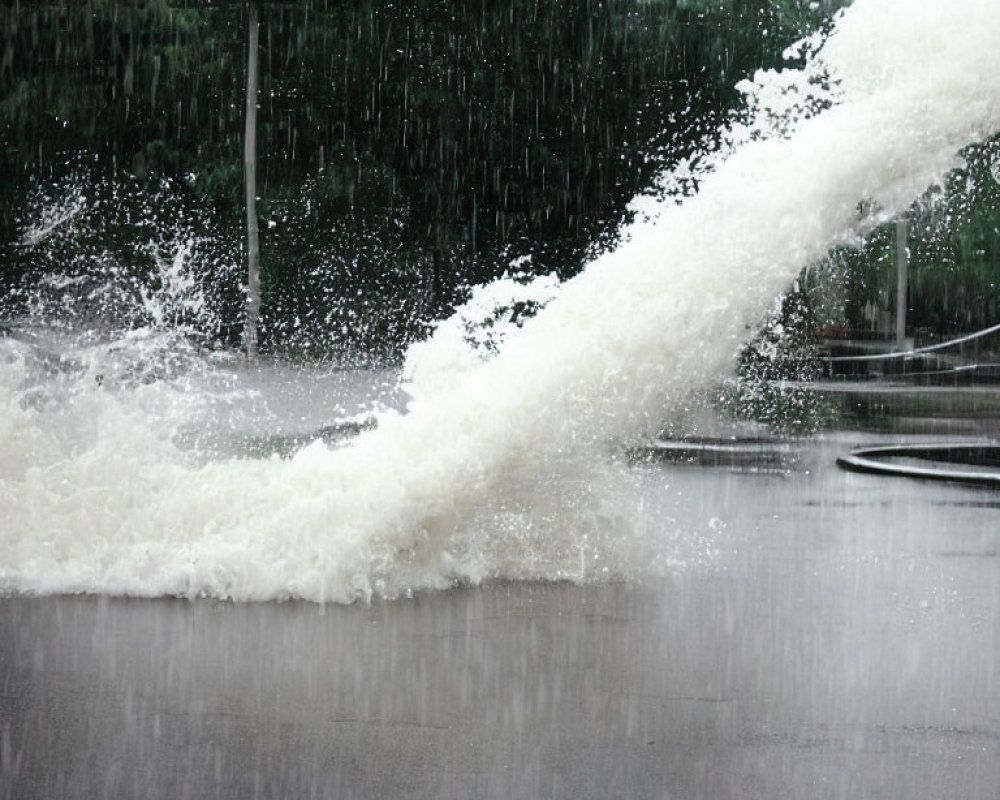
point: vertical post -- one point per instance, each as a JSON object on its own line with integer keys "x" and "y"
{"x": 901, "y": 282}
{"x": 250, "y": 177}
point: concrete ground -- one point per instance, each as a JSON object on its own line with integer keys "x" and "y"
{"x": 833, "y": 635}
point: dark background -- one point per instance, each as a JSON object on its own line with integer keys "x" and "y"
{"x": 406, "y": 151}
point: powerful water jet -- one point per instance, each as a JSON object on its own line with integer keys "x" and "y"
{"x": 525, "y": 440}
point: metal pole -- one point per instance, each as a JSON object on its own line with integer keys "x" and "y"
{"x": 901, "y": 281}
{"x": 250, "y": 176}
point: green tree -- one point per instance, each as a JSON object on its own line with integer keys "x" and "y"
{"x": 459, "y": 136}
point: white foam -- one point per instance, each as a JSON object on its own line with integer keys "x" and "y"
{"x": 494, "y": 470}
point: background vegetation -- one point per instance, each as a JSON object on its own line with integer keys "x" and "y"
{"x": 406, "y": 149}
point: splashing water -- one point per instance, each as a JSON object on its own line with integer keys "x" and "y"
{"x": 505, "y": 465}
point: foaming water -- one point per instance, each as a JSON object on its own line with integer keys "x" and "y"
{"x": 505, "y": 465}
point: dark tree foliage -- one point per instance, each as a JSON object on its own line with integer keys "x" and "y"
{"x": 415, "y": 147}
{"x": 954, "y": 257}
